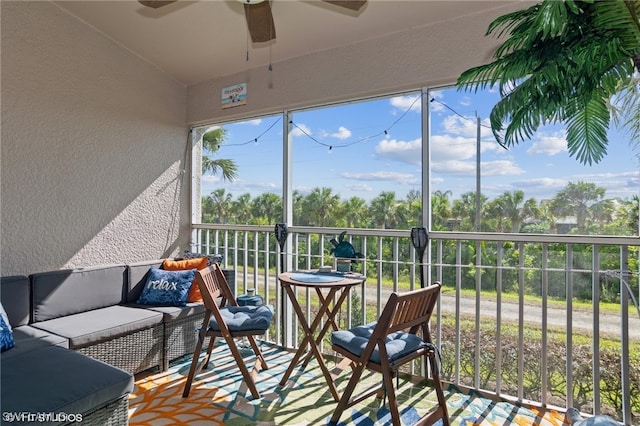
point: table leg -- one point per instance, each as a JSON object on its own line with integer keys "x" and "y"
{"x": 308, "y": 330}
{"x": 309, "y": 340}
{"x": 331, "y": 315}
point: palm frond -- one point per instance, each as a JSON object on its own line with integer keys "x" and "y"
{"x": 587, "y": 132}
{"x": 561, "y": 62}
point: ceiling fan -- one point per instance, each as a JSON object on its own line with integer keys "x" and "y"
{"x": 259, "y": 16}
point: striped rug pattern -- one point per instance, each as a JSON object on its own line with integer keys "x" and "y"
{"x": 219, "y": 397}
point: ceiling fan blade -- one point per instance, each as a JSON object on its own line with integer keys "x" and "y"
{"x": 155, "y": 4}
{"x": 260, "y": 21}
{"x": 349, "y": 4}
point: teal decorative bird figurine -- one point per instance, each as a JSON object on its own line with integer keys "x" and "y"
{"x": 344, "y": 249}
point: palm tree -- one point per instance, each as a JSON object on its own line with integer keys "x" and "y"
{"x": 563, "y": 62}
{"x": 220, "y": 203}
{"x": 267, "y": 208}
{"x": 515, "y": 209}
{"x": 383, "y": 210}
{"x": 412, "y": 215}
{"x": 354, "y": 210}
{"x": 575, "y": 199}
{"x": 464, "y": 210}
{"x": 300, "y": 216}
{"x": 322, "y": 203}
{"x": 631, "y": 212}
{"x": 211, "y": 142}
{"x": 440, "y": 209}
{"x": 241, "y": 208}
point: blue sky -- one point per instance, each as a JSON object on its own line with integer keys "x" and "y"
{"x": 346, "y": 148}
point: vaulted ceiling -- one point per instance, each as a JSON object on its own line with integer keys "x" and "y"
{"x": 195, "y": 41}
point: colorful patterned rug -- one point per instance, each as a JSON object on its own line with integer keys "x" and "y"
{"x": 219, "y": 397}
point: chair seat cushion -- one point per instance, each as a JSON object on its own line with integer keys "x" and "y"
{"x": 244, "y": 318}
{"x": 397, "y": 344}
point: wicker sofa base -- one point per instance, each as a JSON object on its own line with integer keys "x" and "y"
{"x": 135, "y": 352}
{"x": 115, "y": 413}
{"x": 180, "y": 337}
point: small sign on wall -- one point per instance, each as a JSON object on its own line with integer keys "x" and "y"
{"x": 234, "y": 95}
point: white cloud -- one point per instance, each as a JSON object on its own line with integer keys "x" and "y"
{"x": 500, "y": 168}
{"x": 342, "y": 133}
{"x": 448, "y": 147}
{"x": 468, "y": 168}
{"x": 360, "y": 187}
{"x": 454, "y": 167}
{"x": 435, "y": 106}
{"x": 210, "y": 179}
{"x": 549, "y": 144}
{"x": 596, "y": 176}
{"x": 402, "y": 151}
{"x": 538, "y": 186}
{"x": 300, "y": 129}
{"x": 210, "y": 183}
{"x": 467, "y": 127}
{"x": 403, "y": 103}
{"x": 401, "y": 178}
{"x": 254, "y": 122}
{"x": 624, "y": 184}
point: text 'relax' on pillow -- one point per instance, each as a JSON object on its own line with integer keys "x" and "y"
{"x": 6, "y": 336}
{"x": 187, "y": 264}
{"x": 166, "y": 288}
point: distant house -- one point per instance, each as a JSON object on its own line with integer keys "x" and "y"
{"x": 564, "y": 225}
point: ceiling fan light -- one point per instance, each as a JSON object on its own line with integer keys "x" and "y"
{"x": 250, "y": 1}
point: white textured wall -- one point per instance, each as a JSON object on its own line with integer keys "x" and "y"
{"x": 93, "y": 138}
{"x": 93, "y": 142}
{"x": 426, "y": 56}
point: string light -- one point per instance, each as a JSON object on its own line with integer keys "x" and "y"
{"x": 364, "y": 139}
{"x": 255, "y": 140}
{"x": 465, "y": 118}
{"x": 384, "y": 132}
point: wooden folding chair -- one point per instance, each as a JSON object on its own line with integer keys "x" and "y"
{"x": 387, "y": 344}
{"x": 228, "y": 322}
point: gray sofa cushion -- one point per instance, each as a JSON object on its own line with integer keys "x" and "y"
{"x": 137, "y": 278}
{"x": 29, "y": 338}
{"x": 14, "y": 294}
{"x": 172, "y": 313}
{"x": 56, "y": 380}
{"x": 92, "y": 327}
{"x": 67, "y": 292}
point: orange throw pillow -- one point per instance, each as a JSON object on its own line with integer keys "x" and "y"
{"x": 181, "y": 265}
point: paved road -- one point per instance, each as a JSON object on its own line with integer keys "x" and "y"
{"x": 557, "y": 317}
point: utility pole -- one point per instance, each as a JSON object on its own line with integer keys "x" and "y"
{"x": 478, "y": 174}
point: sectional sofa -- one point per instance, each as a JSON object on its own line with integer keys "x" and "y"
{"x": 80, "y": 337}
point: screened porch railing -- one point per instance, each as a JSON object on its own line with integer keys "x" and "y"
{"x": 517, "y": 316}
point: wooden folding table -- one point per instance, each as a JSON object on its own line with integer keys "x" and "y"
{"x": 333, "y": 284}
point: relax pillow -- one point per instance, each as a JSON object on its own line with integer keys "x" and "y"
{"x": 166, "y": 288}
{"x": 6, "y": 336}
{"x": 187, "y": 264}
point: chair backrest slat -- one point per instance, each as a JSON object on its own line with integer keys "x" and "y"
{"x": 409, "y": 310}
{"x": 213, "y": 285}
